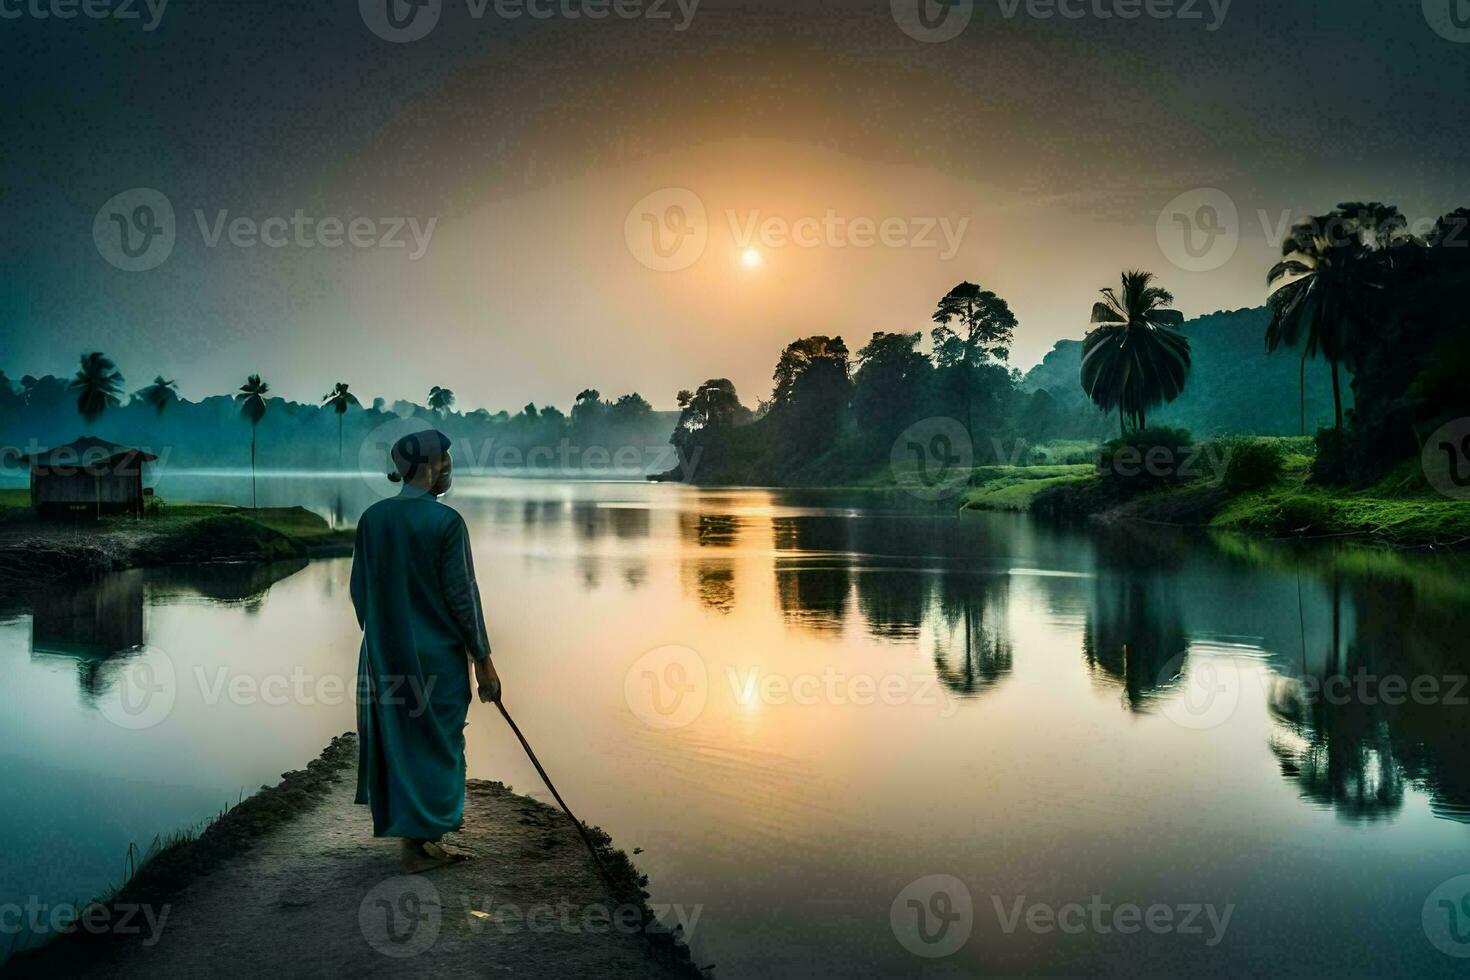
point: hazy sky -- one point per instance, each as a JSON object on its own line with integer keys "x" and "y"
{"x": 536, "y": 158}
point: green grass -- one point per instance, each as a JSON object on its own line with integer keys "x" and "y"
{"x": 197, "y": 531}
{"x": 293, "y": 522}
{"x": 1396, "y": 511}
{"x": 1401, "y": 510}
{"x": 298, "y": 523}
{"x": 1014, "y": 487}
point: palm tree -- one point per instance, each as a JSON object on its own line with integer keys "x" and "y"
{"x": 1325, "y": 288}
{"x": 252, "y": 406}
{"x": 159, "y": 394}
{"x": 97, "y": 384}
{"x": 340, "y": 399}
{"x": 1134, "y": 357}
{"x": 440, "y": 399}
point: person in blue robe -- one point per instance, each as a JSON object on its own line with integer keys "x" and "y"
{"x": 417, "y": 602}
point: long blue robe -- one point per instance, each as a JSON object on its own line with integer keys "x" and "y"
{"x": 413, "y": 585}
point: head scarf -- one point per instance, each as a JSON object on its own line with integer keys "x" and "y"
{"x": 414, "y": 450}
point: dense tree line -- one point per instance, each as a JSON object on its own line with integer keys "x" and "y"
{"x": 1385, "y": 308}
{"x": 1357, "y": 290}
{"x": 834, "y": 414}
{"x": 231, "y": 429}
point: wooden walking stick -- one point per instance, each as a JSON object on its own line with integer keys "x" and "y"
{"x": 581, "y": 831}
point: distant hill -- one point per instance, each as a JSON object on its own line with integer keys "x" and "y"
{"x": 1234, "y": 386}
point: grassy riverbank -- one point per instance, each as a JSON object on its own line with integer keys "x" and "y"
{"x": 1016, "y": 487}
{"x": 291, "y": 882}
{"x": 1275, "y": 500}
{"x": 34, "y": 550}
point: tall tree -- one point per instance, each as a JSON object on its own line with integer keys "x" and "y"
{"x": 587, "y": 410}
{"x": 714, "y": 405}
{"x": 811, "y": 394}
{"x": 1328, "y": 285}
{"x": 252, "y": 405}
{"x": 160, "y": 394}
{"x": 340, "y": 399}
{"x": 889, "y": 384}
{"x": 1134, "y": 357}
{"x": 984, "y": 326}
{"x": 630, "y": 408}
{"x": 706, "y": 418}
{"x": 441, "y": 400}
{"x": 98, "y": 385}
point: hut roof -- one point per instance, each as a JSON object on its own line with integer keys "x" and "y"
{"x": 86, "y": 451}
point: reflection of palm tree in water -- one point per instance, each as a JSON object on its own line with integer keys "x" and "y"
{"x": 1336, "y": 734}
{"x": 1339, "y": 755}
{"x": 1135, "y": 635}
{"x": 1328, "y": 741}
{"x": 975, "y": 608}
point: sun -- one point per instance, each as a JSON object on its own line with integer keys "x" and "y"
{"x": 751, "y": 258}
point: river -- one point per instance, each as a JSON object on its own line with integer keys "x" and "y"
{"x": 850, "y": 736}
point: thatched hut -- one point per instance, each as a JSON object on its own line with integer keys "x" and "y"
{"x": 88, "y": 477}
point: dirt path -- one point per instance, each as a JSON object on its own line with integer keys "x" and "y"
{"x": 318, "y": 896}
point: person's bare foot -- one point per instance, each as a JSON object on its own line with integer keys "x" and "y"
{"x": 419, "y": 856}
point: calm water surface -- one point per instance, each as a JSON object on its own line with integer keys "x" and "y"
{"x": 810, "y": 709}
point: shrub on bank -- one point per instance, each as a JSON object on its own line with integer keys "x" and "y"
{"x": 1146, "y": 457}
{"x": 1250, "y": 463}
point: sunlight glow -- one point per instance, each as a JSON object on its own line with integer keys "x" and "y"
{"x": 751, "y": 258}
